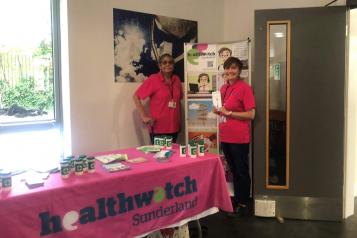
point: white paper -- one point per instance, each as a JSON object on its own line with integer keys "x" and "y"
{"x": 106, "y": 159}
{"x": 216, "y": 99}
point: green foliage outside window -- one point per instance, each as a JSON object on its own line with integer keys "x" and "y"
{"x": 24, "y": 92}
{"x": 25, "y": 95}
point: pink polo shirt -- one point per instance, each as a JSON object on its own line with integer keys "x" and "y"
{"x": 237, "y": 97}
{"x": 167, "y": 120}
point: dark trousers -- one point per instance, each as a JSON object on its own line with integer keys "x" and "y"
{"x": 237, "y": 159}
{"x": 173, "y": 135}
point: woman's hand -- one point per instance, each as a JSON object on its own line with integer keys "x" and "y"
{"x": 147, "y": 120}
{"x": 215, "y": 110}
{"x": 144, "y": 117}
{"x": 248, "y": 115}
{"x": 225, "y": 112}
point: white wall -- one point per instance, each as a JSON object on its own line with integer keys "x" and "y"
{"x": 102, "y": 112}
{"x": 239, "y": 14}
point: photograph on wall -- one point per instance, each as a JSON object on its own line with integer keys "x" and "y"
{"x": 239, "y": 50}
{"x": 200, "y": 115}
{"x": 201, "y": 57}
{"x": 209, "y": 139}
{"x": 141, "y": 38}
{"x": 201, "y": 83}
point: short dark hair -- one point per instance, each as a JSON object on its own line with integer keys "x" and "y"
{"x": 161, "y": 58}
{"x": 233, "y": 61}
{"x": 203, "y": 74}
{"x": 224, "y": 49}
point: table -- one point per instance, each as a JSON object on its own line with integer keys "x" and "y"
{"x": 129, "y": 203}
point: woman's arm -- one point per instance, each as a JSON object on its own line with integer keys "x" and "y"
{"x": 139, "y": 105}
{"x": 248, "y": 115}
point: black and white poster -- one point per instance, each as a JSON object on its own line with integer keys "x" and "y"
{"x": 140, "y": 39}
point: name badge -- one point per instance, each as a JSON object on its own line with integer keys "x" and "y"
{"x": 172, "y": 104}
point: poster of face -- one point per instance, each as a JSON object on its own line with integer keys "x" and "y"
{"x": 209, "y": 139}
{"x": 200, "y": 115}
{"x": 201, "y": 83}
{"x": 140, "y": 39}
{"x": 201, "y": 57}
{"x": 223, "y": 52}
{"x": 239, "y": 50}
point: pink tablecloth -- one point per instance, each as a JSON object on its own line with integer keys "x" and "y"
{"x": 150, "y": 196}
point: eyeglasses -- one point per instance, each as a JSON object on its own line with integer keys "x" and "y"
{"x": 165, "y": 62}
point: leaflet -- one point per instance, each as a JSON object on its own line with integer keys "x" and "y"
{"x": 106, "y": 159}
{"x": 115, "y": 167}
{"x": 216, "y": 99}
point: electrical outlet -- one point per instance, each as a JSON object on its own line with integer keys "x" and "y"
{"x": 264, "y": 208}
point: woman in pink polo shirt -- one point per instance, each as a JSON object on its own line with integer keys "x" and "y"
{"x": 234, "y": 130}
{"x": 165, "y": 93}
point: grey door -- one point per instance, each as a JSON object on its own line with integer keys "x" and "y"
{"x": 317, "y": 112}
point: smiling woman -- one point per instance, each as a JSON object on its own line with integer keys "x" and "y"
{"x": 30, "y": 115}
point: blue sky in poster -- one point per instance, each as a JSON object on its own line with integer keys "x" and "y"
{"x": 194, "y": 106}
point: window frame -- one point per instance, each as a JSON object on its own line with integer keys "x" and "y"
{"x": 57, "y": 122}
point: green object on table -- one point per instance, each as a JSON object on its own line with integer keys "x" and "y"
{"x": 149, "y": 148}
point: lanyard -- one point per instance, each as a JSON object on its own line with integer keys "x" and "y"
{"x": 170, "y": 87}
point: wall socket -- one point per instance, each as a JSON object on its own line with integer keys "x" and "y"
{"x": 264, "y": 208}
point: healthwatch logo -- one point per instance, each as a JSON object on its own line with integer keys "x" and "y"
{"x": 197, "y": 51}
{"x": 120, "y": 205}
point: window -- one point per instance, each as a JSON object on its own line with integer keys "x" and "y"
{"x": 30, "y": 115}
